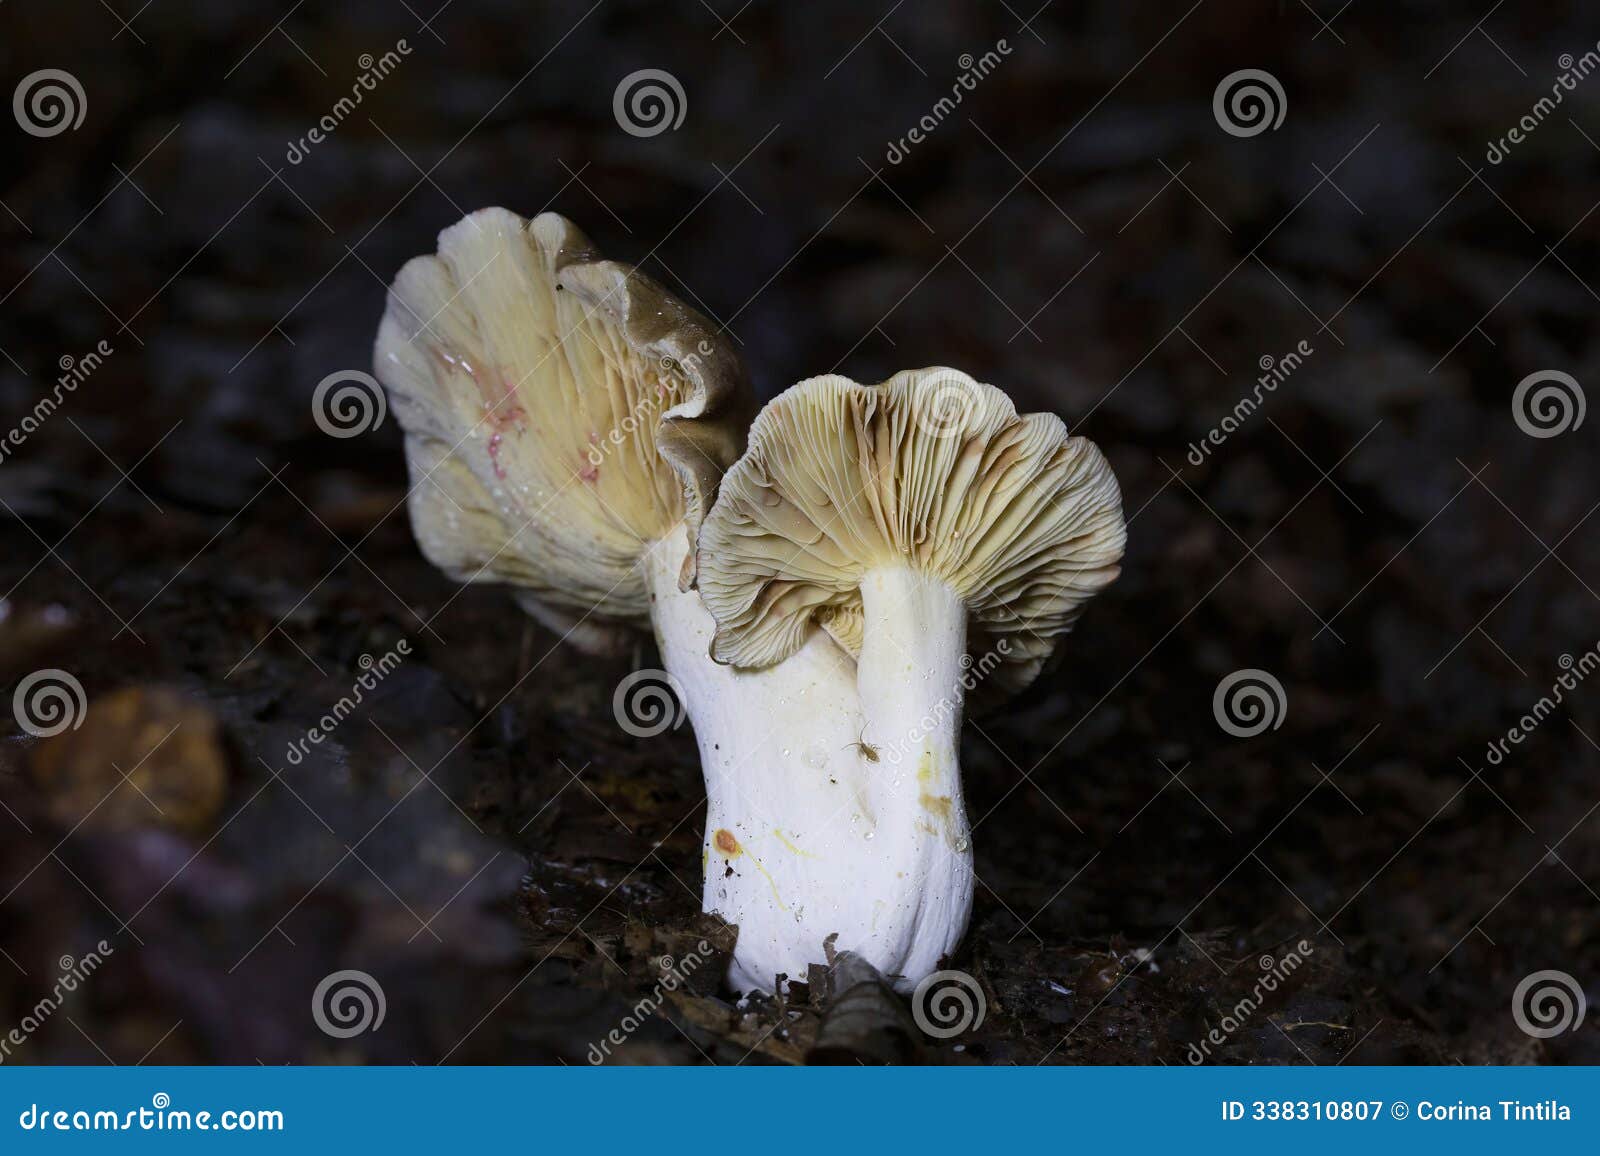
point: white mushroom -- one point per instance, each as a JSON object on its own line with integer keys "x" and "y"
{"x": 938, "y": 541}
{"x": 565, "y": 416}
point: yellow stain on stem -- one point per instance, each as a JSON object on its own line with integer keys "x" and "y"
{"x": 938, "y": 805}
{"x": 941, "y": 807}
{"x": 779, "y": 835}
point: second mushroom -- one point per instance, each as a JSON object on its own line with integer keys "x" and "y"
{"x": 943, "y": 543}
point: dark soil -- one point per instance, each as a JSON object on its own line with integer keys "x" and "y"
{"x": 481, "y": 836}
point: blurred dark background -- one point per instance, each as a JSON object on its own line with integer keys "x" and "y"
{"x": 1381, "y": 536}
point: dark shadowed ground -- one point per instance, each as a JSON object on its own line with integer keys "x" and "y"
{"x": 1381, "y": 535}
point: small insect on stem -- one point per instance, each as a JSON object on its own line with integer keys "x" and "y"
{"x": 866, "y": 749}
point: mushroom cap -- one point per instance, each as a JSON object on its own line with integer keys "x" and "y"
{"x": 561, "y": 412}
{"x": 930, "y": 470}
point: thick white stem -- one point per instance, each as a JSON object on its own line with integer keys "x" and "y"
{"x": 829, "y": 813}
{"x": 910, "y": 678}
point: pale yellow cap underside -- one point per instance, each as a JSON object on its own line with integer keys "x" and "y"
{"x": 930, "y": 469}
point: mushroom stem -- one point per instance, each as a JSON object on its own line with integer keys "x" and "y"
{"x": 810, "y": 831}
{"x": 784, "y": 788}
{"x": 911, "y": 681}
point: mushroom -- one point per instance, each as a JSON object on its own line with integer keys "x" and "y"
{"x": 566, "y": 421}
{"x": 935, "y": 541}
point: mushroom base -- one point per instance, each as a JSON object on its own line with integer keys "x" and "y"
{"x": 832, "y": 812}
